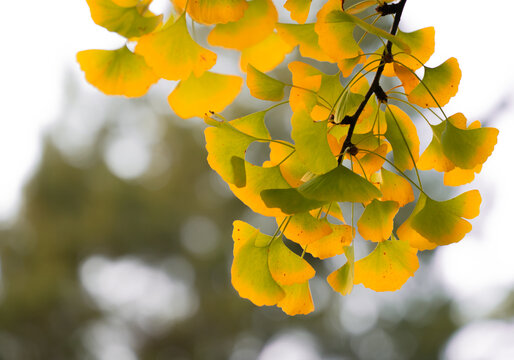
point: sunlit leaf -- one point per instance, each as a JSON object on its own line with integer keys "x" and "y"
{"x": 304, "y": 36}
{"x": 371, "y": 162}
{"x": 265, "y": 55}
{"x": 196, "y": 96}
{"x": 340, "y": 184}
{"x": 256, "y": 24}
{"x": 250, "y": 272}
{"x": 441, "y": 221}
{"x": 285, "y": 266}
{"x": 173, "y": 54}
{"x": 433, "y": 157}
{"x": 304, "y": 229}
{"x": 298, "y": 299}
{"x": 263, "y": 86}
{"x": 213, "y": 11}
{"x": 117, "y": 72}
{"x": 126, "y": 21}
{"x": 458, "y": 176}
{"x": 311, "y": 143}
{"x": 376, "y": 222}
{"x": 299, "y": 9}
{"x": 388, "y": 267}
{"x": 341, "y": 280}
{"x": 347, "y": 65}
{"x": 441, "y": 83}
{"x": 332, "y": 244}
{"x": 228, "y": 140}
{"x": 406, "y": 233}
{"x": 395, "y": 188}
{"x": 291, "y": 167}
{"x": 467, "y": 148}
{"x": 403, "y": 136}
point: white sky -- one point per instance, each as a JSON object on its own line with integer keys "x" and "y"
{"x": 40, "y": 40}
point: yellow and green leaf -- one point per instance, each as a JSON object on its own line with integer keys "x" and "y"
{"x": 403, "y": 136}
{"x": 376, "y": 222}
{"x": 304, "y": 229}
{"x": 304, "y": 36}
{"x": 263, "y": 86}
{"x": 117, "y": 72}
{"x": 299, "y": 9}
{"x": 332, "y": 244}
{"x": 211, "y": 12}
{"x": 265, "y": 55}
{"x": 342, "y": 279}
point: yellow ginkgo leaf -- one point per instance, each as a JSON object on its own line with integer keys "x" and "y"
{"x": 256, "y": 24}
{"x": 265, "y": 55}
{"x": 305, "y": 229}
{"x": 458, "y": 176}
{"x": 211, "y": 12}
{"x": 117, "y": 72}
{"x": 395, "y": 188}
{"x": 298, "y": 299}
{"x": 332, "y": 244}
{"x": 126, "y": 3}
{"x": 371, "y": 162}
{"x": 341, "y": 280}
{"x": 291, "y": 167}
{"x": 126, "y": 21}
{"x": 347, "y": 65}
{"x": 304, "y": 36}
{"x": 285, "y": 266}
{"x": 438, "y": 86}
{"x": 335, "y": 33}
{"x": 376, "y": 222}
{"x": 406, "y": 233}
{"x": 173, "y": 54}
{"x": 250, "y": 272}
{"x": 263, "y": 86}
{"x": 388, "y": 267}
{"x": 299, "y": 9}
{"x": 433, "y": 157}
{"x": 196, "y": 96}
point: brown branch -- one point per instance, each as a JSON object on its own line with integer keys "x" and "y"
{"x": 374, "y": 88}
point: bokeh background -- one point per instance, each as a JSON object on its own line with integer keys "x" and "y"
{"x": 115, "y": 235}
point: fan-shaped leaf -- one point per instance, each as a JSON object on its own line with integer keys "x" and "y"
{"x": 304, "y": 36}
{"x": 299, "y": 9}
{"x": 341, "y": 280}
{"x": 265, "y": 55}
{"x": 332, "y": 244}
{"x": 305, "y": 229}
{"x": 289, "y": 201}
{"x": 298, "y": 299}
{"x": 403, "y": 136}
{"x": 286, "y": 267}
{"x": 211, "y": 12}
{"x": 263, "y": 86}
{"x": 376, "y": 222}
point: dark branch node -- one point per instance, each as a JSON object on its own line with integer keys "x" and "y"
{"x": 387, "y": 9}
{"x": 381, "y": 95}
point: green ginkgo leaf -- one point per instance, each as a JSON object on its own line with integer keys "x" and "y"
{"x": 403, "y": 136}
{"x": 263, "y": 86}
{"x": 376, "y": 222}
{"x": 290, "y": 201}
{"x": 340, "y": 184}
{"x": 341, "y": 280}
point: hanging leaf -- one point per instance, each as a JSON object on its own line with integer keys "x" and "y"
{"x": 305, "y": 229}
{"x": 265, "y": 55}
{"x": 126, "y": 21}
{"x": 256, "y": 24}
{"x": 298, "y": 299}
{"x": 263, "y": 86}
{"x": 341, "y": 280}
{"x": 211, "y": 12}
{"x": 299, "y": 9}
{"x": 289, "y": 201}
{"x": 395, "y": 188}
{"x": 403, "y": 136}
{"x": 197, "y": 96}
{"x": 286, "y": 267}
{"x": 332, "y": 244}
{"x": 173, "y": 54}
{"x": 376, "y": 222}
{"x": 304, "y": 36}
{"x": 388, "y": 267}
{"x": 117, "y": 72}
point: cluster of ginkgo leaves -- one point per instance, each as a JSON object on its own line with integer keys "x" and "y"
{"x": 352, "y": 142}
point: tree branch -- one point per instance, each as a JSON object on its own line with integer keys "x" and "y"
{"x": 374, "y": 88}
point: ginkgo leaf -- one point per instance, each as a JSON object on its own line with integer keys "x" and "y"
{"x": 229, "y": 140}
{"x": 326, "y": 97}
{"x": 173, "y": 54}
{"x": 259, "y": 179}
{"x": 263, "y": 86}
{"x": 403, "y": 136}
{"x": 341, "y": 280}
{"x": 289, "y": 201}
{"x": 376, "y": 222}
{"x": 250, "y": 272}
{"x": 395, "y": 188}
{"x": 371, "y": 162}
{"x": 467, "y": 148}
{"x": 265, "y": 55}
{"x": 388, "y": 267}
{"x": 348, "y": 64}
{"x": 438, "y": 86}
{"x": 433, "y": 157}
{"x": 304, "y": 36}
{"x": 117, "y": 72}
{"x": 406, "y": 233}
{"x": 256, "y": 24}
{"x": 291, "y": 167}
{"x": 196, "y": 96}
{"x": 299, "y": 9}
{"x": 285, "y": 266}
{"x": 298, "y": 299}
{"x": 408, "y": 78}
{"x": 361, "y": 6}
{"x": 311, "y": 143}
{"x": 335, "y": 32}
{"x": 339, "y": 184}
{"x": 332, "y": 244}
{"x": 441, "y": 221}
{"x": 458, "y": 176}
{"x": 126, "y": 3}
{"x": 305, "y": 229}
{"x": 126, "y": 21}
{"x": 211, "y": 12}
